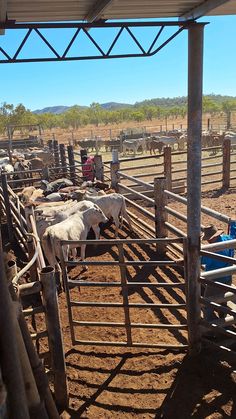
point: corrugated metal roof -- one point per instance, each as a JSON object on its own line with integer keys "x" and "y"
{"x": 77, "y": 10}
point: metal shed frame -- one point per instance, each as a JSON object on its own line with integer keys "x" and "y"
{"x": 85, "y": 28}
{"x": 187, "y": 20}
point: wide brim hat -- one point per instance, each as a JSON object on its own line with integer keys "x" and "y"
{"x": 210, "y": 232}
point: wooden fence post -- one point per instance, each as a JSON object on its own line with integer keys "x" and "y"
{"x": 71, "y": 159}
{"x": 10, "y": 360}
{"x": 160, "y": 199}
{"x": 50, "y": 145}
{"x": 8, "y": 208}
{"x": 56, "y": 155}
{"x": 38, "y": 370}
{"x": 83, "y": 155}
{"x": 226, "y": 163}
{"x": 121, "y": 144}
{"x": 98, "y": 167}
{"x": 63, "y": 159}
{"x": 50, "y": 302}
{"x": 167, "y": 167}
{"x": 115, "y": 178}
{"x": 45, "y": 173}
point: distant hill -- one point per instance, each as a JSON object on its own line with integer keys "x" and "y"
{"x": 52, "y": 109}
{"x": 179, "y": 101}
{"x": 61, "y": 109}
{"x": 162, "y": 102}
{"x": 115, "y": 105}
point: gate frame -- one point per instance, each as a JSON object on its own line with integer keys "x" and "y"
{"x": 124, "y": 284}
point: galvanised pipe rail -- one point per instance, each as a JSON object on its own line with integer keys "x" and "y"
{"x": 139, "y": 182}
{"x": 140, "y": 195}
{"x": 29, "y": 264}
{"x": 124, "y": 241}
{"x": 205, "y": 210}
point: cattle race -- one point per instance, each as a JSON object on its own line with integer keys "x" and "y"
{"x": 95, "y": 249}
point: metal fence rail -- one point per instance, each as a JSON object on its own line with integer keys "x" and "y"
{"x": 124, "y": 284}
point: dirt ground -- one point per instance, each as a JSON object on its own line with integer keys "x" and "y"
{"x": 119, "y": 382}
{"x": 123, "y": 382}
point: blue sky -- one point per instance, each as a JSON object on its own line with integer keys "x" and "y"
{"x": 38, "y": 85}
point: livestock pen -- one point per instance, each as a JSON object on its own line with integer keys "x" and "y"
{"x": 35, "y": 283}
{"x": 218, "y": 167}
{"x": 128, "y": 279}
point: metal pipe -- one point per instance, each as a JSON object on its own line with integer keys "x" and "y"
{"x": 133, "y": 345}
{"x": 127, "y": 263}
{"x": 219, "y": 273}
{"x": 136, "y": 193}
{"x": 135, "y": 325}
{"x": 8, "y": 208}
{"x": 229, "y": 244}
{"x": 204, "y": 210}
{"x": 138, "y": 182}
{"x": 121, "y": 305}
{"x": 147, "y": 213}
{"x": 123, "y": 241}
{"x": 129, "y": 284}
{"x": 38, "y": 243}
{"x": 195, "y": 74}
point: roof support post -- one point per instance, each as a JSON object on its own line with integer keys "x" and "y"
{"x": 195, "y": 76}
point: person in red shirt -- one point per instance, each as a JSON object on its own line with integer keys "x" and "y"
{"x": 88, "y": 168}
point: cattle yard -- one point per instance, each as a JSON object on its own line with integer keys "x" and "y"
{"x": 135, "y": 291}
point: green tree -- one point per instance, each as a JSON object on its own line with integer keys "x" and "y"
{"x": 95, "y": 113}
{"x": 228, "y": 106}
{"x": 210, "y": 105}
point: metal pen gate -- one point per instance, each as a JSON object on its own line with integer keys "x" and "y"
{"x": 124, "y": 285}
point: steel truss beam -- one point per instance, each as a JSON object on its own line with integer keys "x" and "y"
{"x": 53, "y": 54}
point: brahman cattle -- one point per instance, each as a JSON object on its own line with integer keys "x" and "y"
{"x": 154, "y": 144}
{"x": 54, "y": 215}
{"x": 21, "y": 170}
{"x": 55, "y": 186}
{"x": 113, "y": 206}
{"x": 76, "y": 227}
{"x": 30, "y": 194}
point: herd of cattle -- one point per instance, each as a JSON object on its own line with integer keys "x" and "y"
{"x": 67, "y": 212}
{"x": 152, "y": 143}
{"x": 23, "y": 161}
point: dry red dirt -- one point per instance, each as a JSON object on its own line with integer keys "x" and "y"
{"x": 114, "y": 382}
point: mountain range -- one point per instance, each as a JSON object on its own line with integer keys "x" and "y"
{"x": 61, "y": 109}
{"x": 163, "y": 102}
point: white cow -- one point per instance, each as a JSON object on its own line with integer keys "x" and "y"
{"x": 232, "y": 136}
{"x": 134, "y": 145}
{"x": 54, "y": 216}
{"x": 169, "y": 141}
{"x": 52, "y": 208}
{"x": 113, "y": 206}
{"x": 5, "y": 165}
{"x": 129, "y": 145}
{"x": 76, "y": 228}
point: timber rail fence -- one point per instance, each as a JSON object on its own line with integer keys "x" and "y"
{"x": 218, "y": 167}
{"x": 22, "y": 228}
